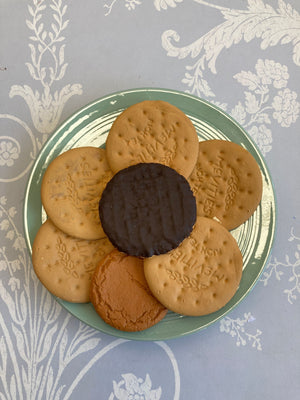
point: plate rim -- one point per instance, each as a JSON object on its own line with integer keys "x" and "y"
{"x": 154, "y": 90}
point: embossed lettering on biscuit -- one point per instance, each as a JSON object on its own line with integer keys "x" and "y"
{"x": 201, "y": 275}
{"x": 65, "y": 264}
{"x": 71, "y": 188}
{"x": 226, "y": 182}
{"x": 153, "y": 131}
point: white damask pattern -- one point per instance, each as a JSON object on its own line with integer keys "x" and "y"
{"x": 236, "y": 328}
{"x": 131, "y": 4}
{"x": 32, "y": 340}
{"x": 289, "y": 269}
{"x": 267, "y": 96}
{"x": 10, "y": 150}
{"x": 46, "y": 107}
{"x": 133, "y": 388}
{"x": 164, "y": 4}
{"x": 258, "y": 21}
{"x": 36, "y": 347}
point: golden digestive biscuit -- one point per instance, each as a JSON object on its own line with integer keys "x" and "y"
{"x": 71, "y": 189}
{"x": 201, "y": 275}
{"x": 153, "y": 131}
{"x": 65, "y": 264}
{"x": 226, "y": 182}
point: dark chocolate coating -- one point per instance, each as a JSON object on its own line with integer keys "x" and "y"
{"x": 147, "y": 209}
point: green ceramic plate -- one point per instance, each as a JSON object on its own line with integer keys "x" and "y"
{"x": 90, "y": 126}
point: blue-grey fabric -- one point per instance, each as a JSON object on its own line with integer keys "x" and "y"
{"x": 55, "y": 57}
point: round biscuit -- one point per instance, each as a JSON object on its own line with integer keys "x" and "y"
{"x": 71, "y": 189}
{"x": 121, "y": 296}
{"x": 147, "y": 209}
{"x": 65, "y": 264}
{"x": 226, "y": 182}
{"x": 153, "y": 131}
{"x": 201, "y": 275}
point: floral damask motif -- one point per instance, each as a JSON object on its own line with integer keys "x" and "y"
{"x": 130, "y": 4}
{"x": 267, "y": 96}
{"x": 133, "y": 388}
{"x": 271, "y": 72}
{"x": 29, "y": 346}
{"x": 9, "y": 152}
{"x": 264, "y": 100}
{"x": 36, "y": 347}
{"x": 164, "y": 4}
{"x": 258, "y": 21}
{"x": 289, "y": 268}
{"x": 237, "y": 328}
{"x": 47, "y": 66}
{"x": 262, "y": 136}
{"x": 286, "y": 107}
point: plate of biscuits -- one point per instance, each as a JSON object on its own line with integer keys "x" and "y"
{"x": 149, "y": 214}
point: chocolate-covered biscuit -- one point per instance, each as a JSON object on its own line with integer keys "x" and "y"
{"x": 147, "y": 209}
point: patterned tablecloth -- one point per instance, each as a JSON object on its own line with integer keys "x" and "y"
{"x": 56, "y": 56}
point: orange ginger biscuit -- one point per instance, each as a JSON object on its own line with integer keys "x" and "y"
{"x": 201, "y": 275}
{"x": 65, "y": 264}
{"x": 71, "y": 189}
{"x": 153, "y": 131}
{"x": 121, "y": 296}
{"x": 226, "y": 182}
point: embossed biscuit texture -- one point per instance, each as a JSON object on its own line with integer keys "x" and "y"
{"x": 201, "y": 275}
{"x": 153, "y": 131}
{"x": 147, "y": 209}
{"x": 227, "y": 182}
{"x": 121, "y": 296}
{"x": 71, "y": 189}
{"x": 64, "y": 264}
